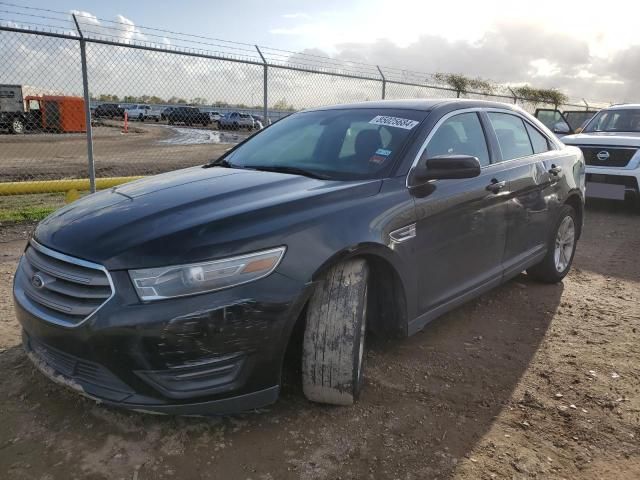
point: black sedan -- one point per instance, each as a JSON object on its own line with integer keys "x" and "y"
{"x": 179, "y": 293}
{"x": 188, "y": 116}
{"x": 108, "y": 110}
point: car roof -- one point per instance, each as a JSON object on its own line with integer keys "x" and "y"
{"x": 420, "y": 104}
{"x": 624, "y": 106}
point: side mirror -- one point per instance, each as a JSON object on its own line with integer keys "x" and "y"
{"x": 444, "y": 167}
{"x": 561, "y": 128}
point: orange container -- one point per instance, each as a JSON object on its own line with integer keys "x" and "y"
{"x": 59, "y": 113}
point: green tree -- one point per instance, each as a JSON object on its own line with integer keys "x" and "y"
{"x": 540, "y": 95}
{"x": 283, "y": 105}
{"x": 105, "y": 97}
{"x": 464, "y": 84}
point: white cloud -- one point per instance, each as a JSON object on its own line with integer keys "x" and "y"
{"x": 302, "y": 29}
{"x": 85, "y": 17}
{"x": 296, "y": 15}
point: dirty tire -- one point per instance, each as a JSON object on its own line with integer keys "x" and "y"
{"x": 333, "y": 345}
{"x": 546, "y": 271}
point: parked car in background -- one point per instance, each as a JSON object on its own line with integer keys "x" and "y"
{"x": 610, "y": 142}
{"x": 143, "y": 112}
{"x": 236, "y": 121}
{"x": 565, "y": 122}
{"x": 181, "y": 293}
{"x": 188, "y": 116}
{"x": 164, "y": 115}
{"x": 213, "y": 115}
{"x": 109, "y": 110}
{"x": 258, "y": 122}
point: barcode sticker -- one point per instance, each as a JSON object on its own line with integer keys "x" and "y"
{"x": 394, "y": 122}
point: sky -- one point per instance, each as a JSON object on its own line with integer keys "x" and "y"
{"x": 588, "y": 50}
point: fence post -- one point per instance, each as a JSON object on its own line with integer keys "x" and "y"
{"x": 515, "y": 97}
{"x": 586, "y": 104}
{"x": 264, "y": 85}
{"x": 384, "y": 83}
{"x": 87, "y": 108}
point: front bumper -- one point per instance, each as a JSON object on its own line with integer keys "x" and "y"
{"x": 214, "y": 353}
{"x": 612, "y": 183}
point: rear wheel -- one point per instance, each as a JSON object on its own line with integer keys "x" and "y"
{"x": 334, "y": 337}
{"x": 561, "y": 249}
{"x": 17, "y": 126}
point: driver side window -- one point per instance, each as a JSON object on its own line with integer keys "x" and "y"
{"x": 461, "y": 134}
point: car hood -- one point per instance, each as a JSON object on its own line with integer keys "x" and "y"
{"x": 192, "y": 214}
{"x": 622, "y": 139}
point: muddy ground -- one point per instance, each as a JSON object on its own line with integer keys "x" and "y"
{"x": 147, "y": 148}
{"x": 530, "y": 381}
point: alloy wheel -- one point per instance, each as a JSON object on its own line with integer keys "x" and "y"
{"x": 565, "y": 243}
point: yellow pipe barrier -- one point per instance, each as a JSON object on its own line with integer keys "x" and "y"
{"x": 53, "y": 186}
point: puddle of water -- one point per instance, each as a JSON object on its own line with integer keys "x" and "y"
{"x": 195, "y": 136}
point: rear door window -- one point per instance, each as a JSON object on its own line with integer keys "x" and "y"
{"x": 461, "y": 134}
{"x": 538, "y": 141}
{"x": 512, "y": 135}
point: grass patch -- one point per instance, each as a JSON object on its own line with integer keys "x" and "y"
{"x": 29, "y": 208}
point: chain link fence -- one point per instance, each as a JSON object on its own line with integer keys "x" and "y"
{"x": 95, "y": 101}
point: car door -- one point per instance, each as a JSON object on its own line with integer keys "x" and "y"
{"x": 526, "y": 159}
{"x": 460, "y": 224}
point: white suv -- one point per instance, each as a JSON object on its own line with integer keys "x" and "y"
{"x": 610, "y": 143}
{"x": 142, "y": 113}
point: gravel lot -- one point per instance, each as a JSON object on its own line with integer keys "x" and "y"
{"x": 530, "y": 381}
{"x": 145, "y": 150}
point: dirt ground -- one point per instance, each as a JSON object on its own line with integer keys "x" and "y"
{"x": 529, "y": 381}
{"x": 147, "y": 149}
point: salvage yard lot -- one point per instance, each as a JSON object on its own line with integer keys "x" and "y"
{"x": 145, "y": 150}
{"x": 529, "y": 381}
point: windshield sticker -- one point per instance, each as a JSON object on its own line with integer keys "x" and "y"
{"x": 383, "y": 152}
{"x": 394, "y": 122}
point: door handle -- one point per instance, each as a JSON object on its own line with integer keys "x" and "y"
{"x": 495, "y": 186}
{"x": 554, "y": 170}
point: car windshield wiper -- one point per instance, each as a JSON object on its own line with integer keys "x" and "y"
{"x": 223, "y": 163}
{"x": 285, "y": 169}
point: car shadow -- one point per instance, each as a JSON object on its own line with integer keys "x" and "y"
{"x": 448, "y": 383}
{"x": 427, "y": 401}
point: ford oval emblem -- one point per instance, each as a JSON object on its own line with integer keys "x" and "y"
{"x": 603, "y": 156}
{"x": 37, "y": 281}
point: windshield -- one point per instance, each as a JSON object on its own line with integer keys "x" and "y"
{"x": 578, "y": 118}
{"x": 334, "y": 144}
{"x": 622, "y": 120}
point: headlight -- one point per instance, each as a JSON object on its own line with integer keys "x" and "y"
{"x": 181, "y": 280}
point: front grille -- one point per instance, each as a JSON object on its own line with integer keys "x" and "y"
{"x": 608, "y": 156}
{"x": 60, "y": 289}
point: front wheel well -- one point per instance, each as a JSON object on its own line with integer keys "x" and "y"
{"x": 387, "y": 299}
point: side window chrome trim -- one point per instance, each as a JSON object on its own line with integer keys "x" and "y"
{"x": 478, "y": 109}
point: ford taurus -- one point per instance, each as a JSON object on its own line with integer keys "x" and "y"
{"x": 179, "y": 293}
